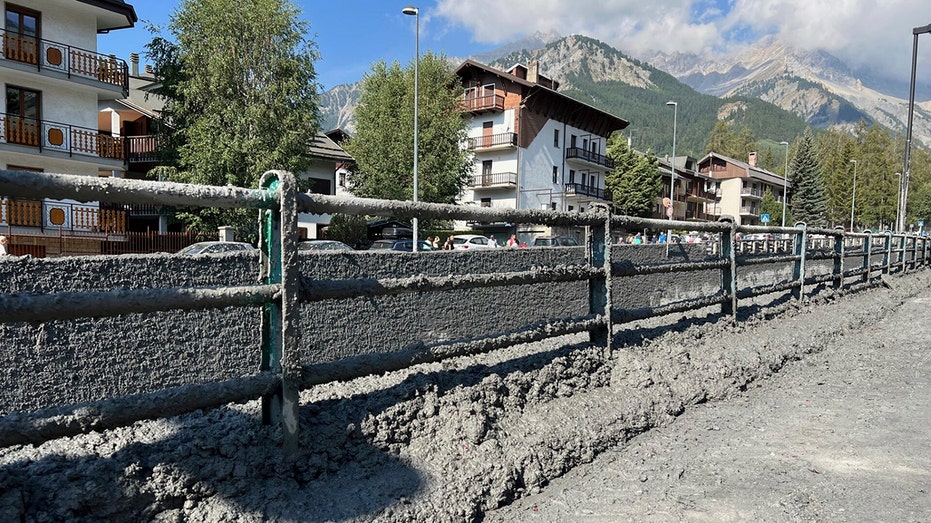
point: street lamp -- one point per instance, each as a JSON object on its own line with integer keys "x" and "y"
{"x": 898, "y": 202}
{"x": 672, "y": 172}
{"x": 903, "y": 196}
{"x": 853, "y": 201}
{"x": 785, "y": 184}
{"x": 415, "y": 12}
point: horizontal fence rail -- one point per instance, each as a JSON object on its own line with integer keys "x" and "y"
{"x": 281, "y": 289}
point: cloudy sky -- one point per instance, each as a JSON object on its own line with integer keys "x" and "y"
{"x": 352, "y": 34}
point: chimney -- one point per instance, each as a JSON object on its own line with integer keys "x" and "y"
{"x": 752, "y": 159}
{"x": 134, "y": 64}
{"x": 148, "y": 69}
{"x": 533, "y": 72}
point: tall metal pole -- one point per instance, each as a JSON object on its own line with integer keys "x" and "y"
{"x": 853, "y": 200}
{"x": 785, "y": 184}
{"x": 672, "y": 173}
{"x": 898, "y": 201}
{"x": 900, "y": 225}
{"x": 415, "y": 12}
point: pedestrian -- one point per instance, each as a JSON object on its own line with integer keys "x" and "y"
{"x": 638, "y": 239}
{"x": 436, "y": 243}
{"x": 492, "y": 242}
{"x": 448, "y": 246}
{"x": 512, "y": 241}
{"x": 3, "y": 245}
{"x": 429, "y": 241}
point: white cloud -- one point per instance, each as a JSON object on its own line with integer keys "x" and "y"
{"x": 873, "y": 33}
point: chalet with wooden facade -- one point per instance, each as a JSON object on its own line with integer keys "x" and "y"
{"x": 739, "y": 187}
{"x": 692, "y": 194}
{"x": 534, "y": 147}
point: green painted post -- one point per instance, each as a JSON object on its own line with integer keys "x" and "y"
{"x": 798, "y": 269}
{"x": 280, "y": 319}
{"x": 903, "y": 243}
{"x": 598, "y": 242}
{"x": 839, "y": 246}
{"x": 887, "y": 255}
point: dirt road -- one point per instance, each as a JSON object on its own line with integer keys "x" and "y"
{"x": 841, "y": 435}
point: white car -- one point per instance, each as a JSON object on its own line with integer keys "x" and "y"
{"x": 215, "y": 247}
{"x": 469, "y": 242}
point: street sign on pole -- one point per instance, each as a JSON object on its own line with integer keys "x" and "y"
{"x": 669, "y": 211}
{"x": 764, "y": 218}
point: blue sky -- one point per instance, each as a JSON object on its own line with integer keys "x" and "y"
{"x": 353, "y": 34}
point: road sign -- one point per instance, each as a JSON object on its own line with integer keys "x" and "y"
{"x": 764, "y": 218}
{"x": 667, "y": 203}
{"x": 921, "y": 223}
{"x": 669, "y": 212}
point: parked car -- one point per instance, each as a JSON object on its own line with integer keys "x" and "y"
{"x": 468, "y": 242}
{"x": 322, "y": 245}
{"x": 555, "y": 241}
{"x": 400, "y": 245}
{"x": 215, "y": 248}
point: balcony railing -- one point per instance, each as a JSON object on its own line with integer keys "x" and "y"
{"x": 589, "y": 156}
{"x": 66, "y": 59}
{"x": 488, "y": 102}
{"x": 56, "y": 136}
{"x": 701, "y": 194}
{"x": 749, "y": 211}
{"x": 494, "y": 180}
{"x": 577, "y": 189}
{"x": 747, "y": 191}
{"x": 493, "y": 140}
{"x": 53, "y": 214}
{"x": 142, "y": 149}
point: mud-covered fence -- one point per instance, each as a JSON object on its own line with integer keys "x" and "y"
{"x": 281, "y": 289}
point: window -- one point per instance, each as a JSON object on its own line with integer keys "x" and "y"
{"x": 572, "y": 141}
{"x": 20, "y": 41}
{"x": 553, "y": 206}
{"x": 22, "y": 108}
{"x": 342, "y": 179}
{"x": 318, "y": 186}
{"x": 486, "y": 202}
{"x": 571, "y": 175}
{"x": 556, "y": 138}
{"x": 571, "y": 208}
{"x": 555, "y": 174}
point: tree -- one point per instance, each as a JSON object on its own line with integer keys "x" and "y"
{"x": 771, "y": 206}
{"x": 383, "y": 142}
{"x": 721, "y": 139}
{"x": 809, "y": 200}
{"x": 240, "y": 94}
{"x": 635, "y": 181}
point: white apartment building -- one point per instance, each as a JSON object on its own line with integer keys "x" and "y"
{"x": 53, "y": 81}
{"x": 739, "y": 187}
{"x": 534, "y": 148}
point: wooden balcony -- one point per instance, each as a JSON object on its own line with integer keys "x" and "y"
{"x": 505, "y": 179}
{"x": 142, "y": 149}
{"x": 55, "y": 136}
{"x": 493, "y": 141}
{"x": 73, "y": 62}
{"x": 63, "y": 216}
{"x": 481, "y": 104}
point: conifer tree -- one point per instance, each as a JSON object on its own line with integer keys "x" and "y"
{"x": 809, "y": 199}
{"x": 635, "y": 182}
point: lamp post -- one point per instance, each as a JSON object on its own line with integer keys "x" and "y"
{"x": 672, "y": 173}
{"x": 785, "y": 184}
{"x": 903, "y": 194}
{"x": 415, "y": 12}
{"x": 897, "y": 203}
{"x": 853, "y": 200}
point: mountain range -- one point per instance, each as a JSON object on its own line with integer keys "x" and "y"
{"x": 772, "y": 88}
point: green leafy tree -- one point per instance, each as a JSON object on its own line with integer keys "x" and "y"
{"x": 240, "y": 93}
{"x": 770, "y": 205}
{"x": 809, "y": 199}
{"x": 350, "y": 229}
{"x": 382, "y": 145}
{"x": 635, "y": 181}
{"x": 721, "y": 139}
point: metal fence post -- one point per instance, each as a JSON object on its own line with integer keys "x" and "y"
{"x": 598, "y": 251}
{"x": 280, "y": 319}
{"x": 867, "y": 257}
{"x": 903, "y": 244}
{"x": 887, "y": 254}
{"x": 798, "y": 269}
{"x": 839, "y": 246}
{"x": 729, "y": 272}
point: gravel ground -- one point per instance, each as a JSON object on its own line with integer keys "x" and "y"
{"x": 784, "y": 416}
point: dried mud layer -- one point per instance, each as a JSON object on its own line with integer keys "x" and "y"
{"x": 691, "y": 418}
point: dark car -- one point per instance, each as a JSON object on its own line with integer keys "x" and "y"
{"x": 555, "y": 241}
{"x": 399, "y": 245}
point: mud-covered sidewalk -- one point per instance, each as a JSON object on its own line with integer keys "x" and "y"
{"x": 815, "y": 412}
{"x": 841, "y": 435}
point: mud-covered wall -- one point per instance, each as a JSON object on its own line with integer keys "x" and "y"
{"x": 64, "y": 362}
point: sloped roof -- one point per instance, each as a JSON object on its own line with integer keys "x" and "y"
{"x": 116, "y": 14}
{"x": 752, "y": 171}
{"x": 322, "y": 147}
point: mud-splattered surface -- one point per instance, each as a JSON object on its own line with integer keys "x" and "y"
{"x": 687, "y": 423}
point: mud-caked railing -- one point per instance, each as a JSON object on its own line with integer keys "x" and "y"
{"x": 276, "y": 295}
{"x": 282, "y": 289}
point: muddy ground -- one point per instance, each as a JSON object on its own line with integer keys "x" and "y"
{"x": 691, "y": 418}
